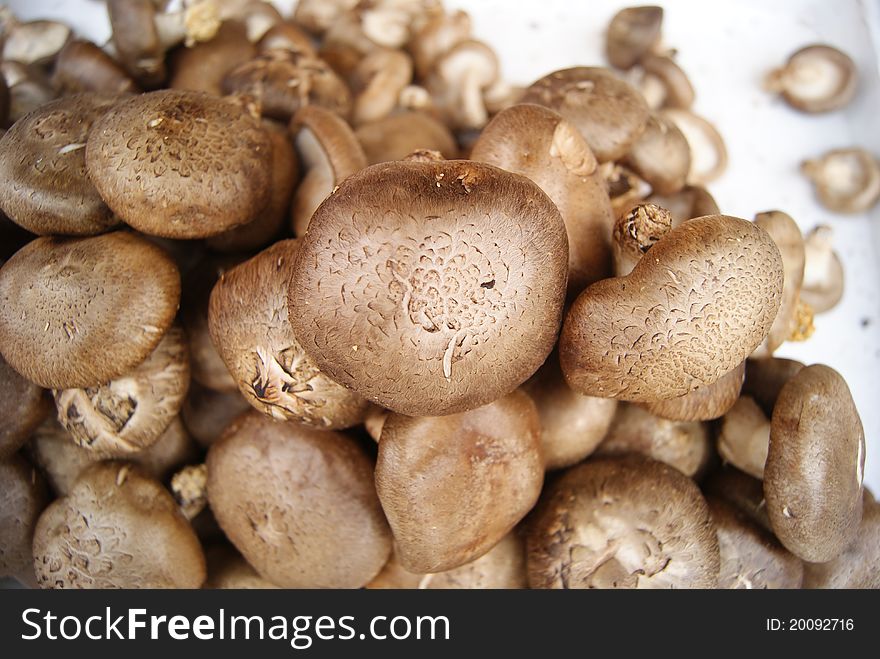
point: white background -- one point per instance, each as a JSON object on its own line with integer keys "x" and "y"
{"x": 726, "y": 47}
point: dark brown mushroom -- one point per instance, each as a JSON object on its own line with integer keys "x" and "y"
{"x": 401, "y": 133}
{"x": 23, "y": 406}
{"x": 81, "y": 67}
{"x": 632, "y": 33}
{"x": 203, "y": 66}
{"x": 23, "y": 496}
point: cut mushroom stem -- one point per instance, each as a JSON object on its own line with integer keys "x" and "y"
{"x": 817, "y": 78}
{"x": 846, "y": 180}
{"x": 189, "y": 486}
{"x": 634, "y": 234}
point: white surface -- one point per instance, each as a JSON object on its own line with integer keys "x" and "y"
{"x": 725, "y": 46}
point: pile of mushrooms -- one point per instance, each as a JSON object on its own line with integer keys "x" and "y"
{"x": 321, "y": 301}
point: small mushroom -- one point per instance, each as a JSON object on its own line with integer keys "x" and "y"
{"x": 298, "y": 503}
{"x": 622, "y": 522}
{"x": 609, "y": 112}
{"x": 437, "y": 270}
{"x": 716, "y": 280}
{"x": 663, "y": 83}
{"x": 44, "y": 185}
{"x": 118, "y": 528}
{"x": 823, "y": 281}
{"x": 207, "y": 413}
{"x": 79, "y": 312}
{"x": 202, "y": 67}
{"x": 29, "y": 89}
{"x": 249, "y": 326}
{"x": 129, "y": 413}
{"x": 632, "y": 33}
{"x": 23, "y": 406}
{"x": 744, "y": 437}
{"x": 708, "y": 152}
{"x": 329, "y": 153}
{"x": 452, "y": 487}
{"x": 816, "y": 78}
{"x": 457, "y": 83}
{"x": 686, "y": 204}
{"x": 765, "y": 379}
{"x": 437, "y": 36}
{"x": 685, "y": 445}
{"x": 845, "y": 180}
{"x": 23, "y": 497}
{"x": 635, "y": 232}
{"x": 286, "y": 36}
{"x": 180, "y": 164}
{"x": 257, "y": 16}
{"x": 856, "y": 566}
{"x": 83, "y": 67}
{"x": 397, "y": 135}
{"x": 318, "y": 15}
{"x": 815, "y": 465}
{"x": 751, "y": 558}
{"x": 703, "y": 403}
{"x": 35, "y": 42}
{"x": 377, "y": 82}
{"x": 227, "y": 569}
{"x": 661, "y": 155}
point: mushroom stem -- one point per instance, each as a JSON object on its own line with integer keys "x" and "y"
{"x": 198, "y": 22}
{"x": 635, "y": 232}
{"x": 473, "y": 109}
{"x": 189, "y": 486}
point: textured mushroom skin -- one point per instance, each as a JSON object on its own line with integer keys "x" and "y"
{"x": 703, "y": 403}
{"x": 116, "y": 529}
{"x": 44, "y": 186}
{"x": 452, "y": 487}
{"x": 298, "y": 503}
{"x": 249, "y": 325}
{"x": 89, "y": 309}
{"x": 22, "y": 498}
{"x": 129, "y": 413}
{"x": 22, "y": 408}
{"x": 857, "y": 566}
{"x": 417, "y": 281}
{"x": 622, "y": 522}
{"x": 815, "y": 465}
{"x": 180, "y": 164}
{"x": 699, "y": 303}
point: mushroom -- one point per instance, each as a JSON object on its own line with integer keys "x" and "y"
{"x": 329, "y": 153}
{"x": 437, "y": 36}
{"x": 83, "y": 67}
{"x": 227, "y": 569}
{"x": 298, "y": 503}
{"x": 625, "y": 187}
{"x": 180, "y": 164}
{"x": 661, "y": 155}
{"x": 845, "y": 180}
{"x": 22, "y": 498}
{"x": 685, "y": 445}
{"x": 399, "y": 134}
{"x": 816, "y": 78}
{"x": 708, "y": 152}
{"x": 815, "y": 465}
{"x": 744, "y": 437}
{"x": 663, "y": 83}
{"x": 635, "y": 232}
{"x": 632, "y": 33}
{"x": 58, "y": 297}
{"x": 703, "y": 403}
{"x": 452, "y": 487}
{"x": 286, "y": 36}
{"x": 458, "y": 81}
{"x": 257, "y": 16}
{"x": 609, "y": 112}
{"x": 188, "y": 486}
{"x": 318, "y": 15}
{"x": 751, "y": 558}
{"x": 686, "y": 204}
{"x": 377, "y": 82}
{"x": 23, "y": 406}
{"x": 283, "y": 81}
{"x": 35, "y": 42}
{"x": 572, "y": 425}
{"x": 29, "y": 89}
{"x": 743, "y": 492}
{"x": 118, "y": 528}
{"x": 203, "y": 67}
{"x": 439, "y": 271}
{"x": 787, "y": 235}
{"x": 822, "y": 287}
{"x": 538, "y": 143}
{"x": 765, "y": 379}
{"x": 207, "y": 413}
{"x": 856, "y": 566}
{"x": 249, "y": 325}
{"x": 44, "y": 185}
{"x": 622, "y": 522}
{"x": 129, "y": 414}
{"x": 700, "y": 303}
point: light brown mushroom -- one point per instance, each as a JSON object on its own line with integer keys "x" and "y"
{"x": 661, "y": 155}
{"x": 286, "y": 36}
{"x": 35, "y": 42}
{"x": 457, "y": 83}
{"x": 318, "y": 15}
{"x": 845, "y": 180}
{"x": 663, "y": 83}
{"x": 81, "y": 66}
{"x": 703, "y": 403}
{"x": 708, "y": 151}
{"x": 23, "y": 497}
{"x": 744, "y": 437}
{"x": 401, "y": 133}
{"x": 23, "y": 406}
{"x": 816, "y": 78}
{"x": 377, "y": 82}
{"x": 203, "y": 67}
{"x": 28, "y": 86}
{"x": 823, "y": 283}
{"x": 437, "y": 36}
{"x": 632, "y": 33}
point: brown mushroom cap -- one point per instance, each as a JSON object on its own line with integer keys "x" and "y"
{"x": 744, "y": 437}
{"x": 44, "y": 186}
{"x": 816, "y": 78}
{"x": 227, "y": 569}
{"x": 23, "y": 406}
{"x": 538, "y": 143}
{"x": 203, "y": 66}
{"x": 823, "y": 283}
{"x": 116, "y": 529}
{"x": 815, "y": 465}
{"x": 622, "y": 522}
{"x": 286, "y": 35}
{"x": 677, "y": 90}
{"x": 743, "y": 492}
{"x": 180, "y": 164}
{"x": 703, "y": 403}
{"x": 399, "y": 134}
{"x": 751, "y": 557}
{"x": 452, "y": 487}
{"x": 81, "y": 66}
{"x": 661, "y": 155}
{"x": 22, "y": 498}
{"x": 35, "y": 42}
{"x": 856, "y": 566}
{"x": 29, "y": 88}
{"x": 417, "y": 280}
{"x": 689, "y": 202}
{"x": 632, "y": 33}
{"x": 572, "y": 425}
{"x": 207, "y": 413}
{"x": 608, "y": 111}
{"x": 765, "y": 379}
{"x": 250, "y": 327}
{"x": 298, "y": 503}
{"x": 685, "y": 445}
{"x": 129, "y": 413}
{"x": 846, "y": 180}
{"x": 377, "y": 82}
{"x": 690, "y": 312}
{"x": 78, "y": 312}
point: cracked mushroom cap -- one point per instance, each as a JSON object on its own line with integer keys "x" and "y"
{"x": 78, "y": 312}
{"x": 116, "y": 529}
{"x": 398, "y": 135}
{"x": 44, "y": 185}
{"x": 180, "y": 164}
{"x": 417, "y": 280}
{"x": 608, "y": 111}
{"x": 692, "y": 310}
{"x": 816, "y": 78}
{"x": 452, "y": 487}
{"x": 622, "y": 522}
{"x": 815, "y": 465}
{"x": 23, "y": 496}
{"x": 130, "y": 413}
{"x": 249, "y": 325}
{"x": 298, "y": 503}
{"x": 23, "y": 406}
{"x": 703, "y": 403}
{"x": 632, "y": 33}
{"x": 856, "y": 567}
